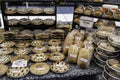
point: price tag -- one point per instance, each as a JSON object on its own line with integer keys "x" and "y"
{"x": 59, "y": 65}
{"x": 73, "y": 55}
{"x": 39, "y": 49}
{"x": 86, "y": 22}
{"x": 40, "y": 68}
{"x": 16, "y": 71}
{"x": 84, "y": 60}
{"x": 19, "y": 63}
{"x": 67, "y": 47}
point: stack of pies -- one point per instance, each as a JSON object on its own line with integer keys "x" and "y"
{"x": 79, "y": 9}
{"x": 12, "y": 22}
{"x": 39, "y": 68}
{"x": 49, "y": 21}
{"x": 98, "y": 12}
{"x": 54, "y": 42}
{"x": 56, "y": 56}
{"x": 17, "y": 72}
{"x": 88, "y": 10}
{"x": 55, "y": 48}
{"x": 24, "y": 21}
{"x": 36, "y": 10}
{"x": 11, "y": 10}
{"x": 39, "y": 57}
{"x": 37, "y": 43}
{"x": 23, "y": 10}
{"x": 3, "y": 69}
{"x": 41, "y": 49}
{"x": 21, "y": 51}
{"x": 59, "y": 67}
{"x": 6, "y": 51}
{"x": 49, "y": 10}
{"x": 37, "y": 21}
{"x": 7, "y": 44}
{"x": 4, "y": 59}
{"x": 18, "y": 57}
{"x": 22, "y": 44}
{"x": 26, "y": 34}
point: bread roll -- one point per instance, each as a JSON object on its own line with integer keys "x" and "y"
{"x": 73, "y": 54}
{"x": 84, "y": 58}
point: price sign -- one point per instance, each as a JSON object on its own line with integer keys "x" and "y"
{"x": 86, "y": 22}
{"x": 19, "y": 63}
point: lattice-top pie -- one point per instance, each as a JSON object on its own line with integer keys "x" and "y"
{"x": 37, "y": 43}
{"x": 24, "y": 21}
{"x": 3, "y": 69}
{"x": 10, "y": 10}
{"x": 59, "y": 67}
{"x": 37, "y": 21}
{"x": 17, "y": 72}
{"x": 23, "y": 10}
{"x": 55, "y": 48}
{"x": 12, "y": 22}
{"x": 49, "y": 21}
{"x": 7, "y": 44}
{"x": 36, "y": 10}
{"x": 39, "y": 68}
{"x": 49, "y": 10}
{"x": 5, "y": 51}
{"x": 4, "y": 59}
{"x": 54, "y": 42}
{"x": 21, "y": 51}
{"x": 39, "y": 57}
{"x": 22, "y": 44}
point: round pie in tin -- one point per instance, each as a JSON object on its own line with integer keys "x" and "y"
{"x": 39, "y": 57}
{"x": 39, "y": 68}
{"x": 22, "y": 44}
{"x": 20, "y": 51}
{"x": 36, "y": 10}
{"x": 17, "y": 72}
{"x": 4, "y": 59}
{"x": 37, "y": 43}
{"x": 12, "y": 22}
{"x": 7, "y": 44}
{"x": 49, "y": 21}
{"x": 6, "y": 51}
{"x": 59, "y": 67}
{"x": 24, "y": 21}
{"x": 54, "y": 42}
{"x": 11, "y": 10}
{"x": 3, "y": 69}
{"x": 55, "y": 48}
{"x": 23, "y": 10}
{"x": 37, "y": 21}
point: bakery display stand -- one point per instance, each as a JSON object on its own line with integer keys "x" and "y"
{"x": 27, "y": 3}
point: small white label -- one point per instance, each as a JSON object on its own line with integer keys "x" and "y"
{"x": 16, "y": 71}
{"x": 19, "y": 63}
{"x": 73, "y": 55}
{"x": 78, "y": 38}
{"x": 67, "y": 47}
{"x": 40, "y": 68}
{"x": 39, "y": 49}
{"x": 86, "y": 22}
{"x": 84, "y": 60}
{"x": 59, "y": 65}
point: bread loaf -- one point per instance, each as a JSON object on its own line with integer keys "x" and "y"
{"x": 73, "y": 53}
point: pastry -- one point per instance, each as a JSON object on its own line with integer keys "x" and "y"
{"x": 49, "y": 11}
{"x": 55, "y": 48}
{"x": 21, "y": 51}
{"x": 18, "y": 57}
{"x": 23, "y": 10}
{"x": 5, "y": 51}
{"x": 22, "y": 44}
{"x": 84, "y": 58}
{"x": 39, "y": 68}
{"x": 117, "y": 15}
{"x": 4, "y": 59}
{"x": 7, "y": 44}
{"x": 49, "y": 21}
{"x": 36, "y": 10}
{"x": 39, "y": 57}
{"x": 37, "y": 43}
{"x": 3, "y": 69}
{"x": 42, "y": 35}
{"x": 98, "y": 12}
{"x": 54, "y": 42}
{"x": 10, "y": 10}
{"x": 79, "y": 9}
{"x": 24, "y": 21}
{"x": 17, "y": 72}
{"x": 59, "y": 67}
{"x": 108, "y": 13}
{"x": 88, "y": 10}
{"x": 37, "y": 21}
{"x": 12, "y": 22}
{"x": 56, "y": 56}
{"x": 41, "y": 49}
{"x": 73, "y": 54}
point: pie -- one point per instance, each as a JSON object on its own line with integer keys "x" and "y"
{"x": 23, "y": 10}
{"x": 24, "y": 21}
{"x": 12, "y": 22}
{"x": 56, "y": 56}
{"x": 7, "y": 44}
{"x": 98, "y": 12}
{"x": 39, "y": 68}
{"x": 39, "y": 57}
{"x": 11, "y": 10}
{"x": 37, "y": 21}
{"x": 49, "y": 10}
{"x": 88, "y": 10}
{"x": 37, "y": 43}
{"x": 49, "y": 21}
{"x": 54, "y": 42}
{"x": 59, "y": 67}
{"x": 41, "y": 49}
{"x": 20, "y": 51}
{"x": 55, "y": 48}
{"x": 6, "y": 51}
{"x": 3, "y": 69}
{"x": 79, "y": 9}
{"x": 17, "y": 72}
{"x": 36, "y": 10}
{"x": 4, "y": 59}
{"x": 22, "y": 44}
